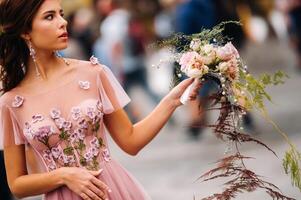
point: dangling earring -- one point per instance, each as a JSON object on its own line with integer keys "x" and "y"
{"x": 23, "y": 67}
{"x": 60, "y": 56}
{"x": 33, "y": 56}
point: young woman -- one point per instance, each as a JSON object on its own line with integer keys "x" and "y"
{"x": 60, "y": 108}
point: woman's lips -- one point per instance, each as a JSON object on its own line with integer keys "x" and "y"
{"x": 64, "y": 35}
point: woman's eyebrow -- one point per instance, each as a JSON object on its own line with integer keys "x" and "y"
{"x": 52, "y": 11}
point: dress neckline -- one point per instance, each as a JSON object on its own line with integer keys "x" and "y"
{"x": 20, "y": 92}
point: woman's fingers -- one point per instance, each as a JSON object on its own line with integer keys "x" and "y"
{"x": 92, "y": 195}
{"x": 98, "y": 183}
{"x": 194, "y": 93}
{"x": 98, "y": 192}
{"x": 97, "y": 187}
{"x": 84, "y": 196}
{"x": 184, "y": 84}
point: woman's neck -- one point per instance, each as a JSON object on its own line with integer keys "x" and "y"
{"x": 47, "y": 63}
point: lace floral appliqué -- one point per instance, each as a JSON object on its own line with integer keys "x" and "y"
{"x": 55, "y": 113}
{"x": 74, "y": 147}
{"x": 18, "y": 101}
{"x": 37, "y": 118}
{"x": 76, "y": 113}
{"x": 94, "y": 60}
{"x": 84, "y": 85}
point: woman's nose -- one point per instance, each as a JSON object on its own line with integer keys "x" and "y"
{"x": 63, "y": 22}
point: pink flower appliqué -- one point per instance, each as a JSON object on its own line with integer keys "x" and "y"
{"x": 84, "y": 85}
{"x": 59, "y": 122}
{"x": 47, "y": 158}
{"x": 79, "y": 134}
{"x": 94, "y": 151}
{"x": 56, "y": 152}
{"x": 94, "y": 60}
{"x": 95, "y": 143}
{"x": 106, "y": 155}
{"x": 18, "y": 101}
{"x": 74, "y": 137}
{"x": 29, "y": 132}
{"x": 88, "y": 156}
{"x": 44, "y": 132}
{"x": 83, "y": 124}
{"x": 91, "y": 112}
{"x": 37, "y": 118}
{"x": 55, "y": 113}
{"x": 66, "y": 159}
{"x": 67, "y": 125}
{"x": 75, "y": 113}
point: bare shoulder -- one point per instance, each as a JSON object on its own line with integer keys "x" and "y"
{"x": 7, "y": 97}
{"x": 92, "y": 65}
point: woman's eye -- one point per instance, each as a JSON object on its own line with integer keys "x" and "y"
{"x": 49, "y": 17}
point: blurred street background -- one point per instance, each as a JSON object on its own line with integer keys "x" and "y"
{"x": 120, "y": 34}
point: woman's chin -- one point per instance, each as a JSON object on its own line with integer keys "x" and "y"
{"x": 62, "y": 47}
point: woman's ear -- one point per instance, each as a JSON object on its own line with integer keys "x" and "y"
{"x": 25, "y": 36}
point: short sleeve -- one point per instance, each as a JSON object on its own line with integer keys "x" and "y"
{"x": 10, "y": 132}
{"x": 112, "y": 94}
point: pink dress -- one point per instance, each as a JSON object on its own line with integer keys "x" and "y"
{"x": 64, "y": 127}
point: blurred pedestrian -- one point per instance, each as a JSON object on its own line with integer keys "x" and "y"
{"x": 121, "y": 46}
{"x": 81, "y": 33}
{"x": 191, "y": 17}
{"x": 293, "y": 10}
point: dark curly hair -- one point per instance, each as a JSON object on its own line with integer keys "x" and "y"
{"x": 16, "y": 18}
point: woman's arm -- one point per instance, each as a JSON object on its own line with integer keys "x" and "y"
{"x": 81, "y": 181}
{"x": 20, "y": 183}
{"x": 132, "y": 138}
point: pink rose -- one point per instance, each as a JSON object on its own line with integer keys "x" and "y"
{"x": 187, "y": 58}
{"x": 227, "y": 52}
{"x": 192, "y": 64}
{"x": 230, "y": 69}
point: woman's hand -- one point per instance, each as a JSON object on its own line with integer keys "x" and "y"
{"x": 85, "y": 184}
{"x": 175, "y": 94}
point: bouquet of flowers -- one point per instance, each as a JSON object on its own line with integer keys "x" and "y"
{"x": 209, "y": 55}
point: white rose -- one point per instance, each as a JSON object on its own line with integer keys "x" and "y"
{"x": 195, "y": 44}
{"x": 208, "y": 54}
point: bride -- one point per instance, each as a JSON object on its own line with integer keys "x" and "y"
{"x": 62, "y": 109}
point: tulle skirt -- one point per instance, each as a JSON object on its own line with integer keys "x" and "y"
{"x": 123, "y": 185}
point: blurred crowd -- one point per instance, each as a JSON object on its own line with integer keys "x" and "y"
{"x": 118, "y": 31}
